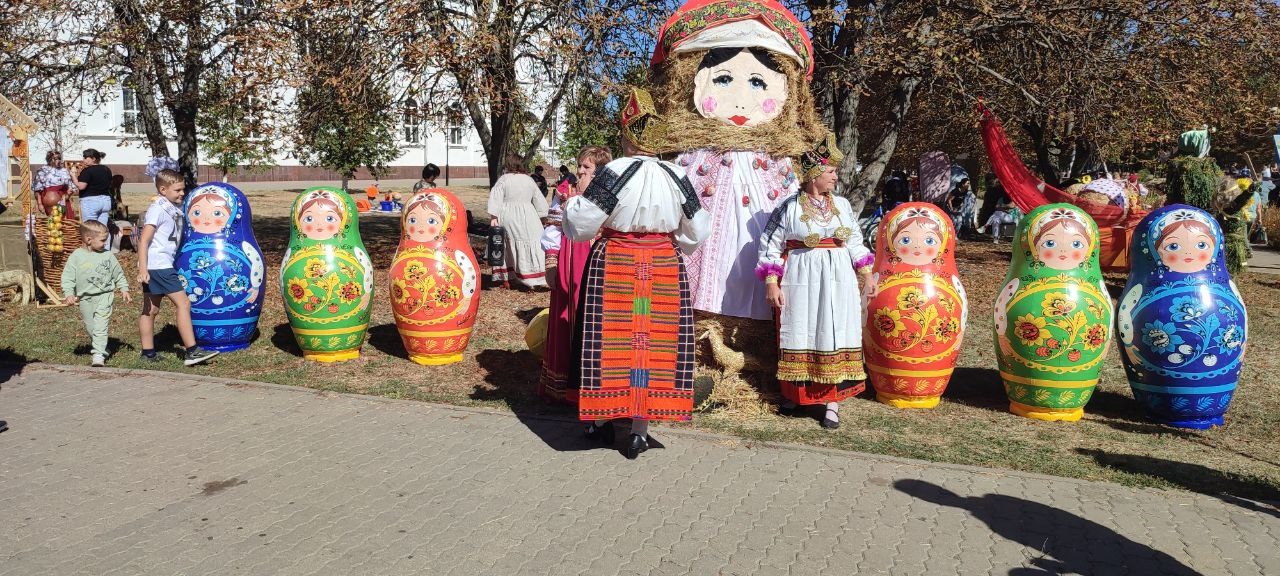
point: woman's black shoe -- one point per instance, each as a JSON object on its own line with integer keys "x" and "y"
{"x": 635, "y": 447}
{"x": 602, "y": 433}
{"x": 829, "y": 423}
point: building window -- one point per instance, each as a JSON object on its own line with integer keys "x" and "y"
{"x": 130, "y": 123}
{"x": 411, "y": 122}
{"x": 454, "y": 131}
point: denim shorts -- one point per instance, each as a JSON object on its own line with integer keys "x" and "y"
{"x": 163, "y": 281}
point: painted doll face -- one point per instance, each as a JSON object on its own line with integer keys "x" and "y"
{"x": 208, "y": 215}
{"x": 1187, "y": 250}
{"x": 319, "y": 221}
{"x": 741, "y": 91}
{"x": 916, "y": 244}
{"x": 423, "y": 224}
{"x": 1061, "y": 248}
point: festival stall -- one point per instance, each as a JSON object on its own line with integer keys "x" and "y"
{"x": 53, "y": 237}
{"x": 1116, "y": 221}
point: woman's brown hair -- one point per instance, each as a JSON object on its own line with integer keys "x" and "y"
{"x": 599, "y": 155}
{"x": 513, "y": 164}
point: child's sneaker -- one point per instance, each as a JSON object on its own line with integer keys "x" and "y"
{"x": 152, "y": 357}
{"x": 196, "y": 355}
{"x": 98, "y": 361}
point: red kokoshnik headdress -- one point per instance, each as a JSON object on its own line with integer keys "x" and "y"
{"x": 741, "y": 23}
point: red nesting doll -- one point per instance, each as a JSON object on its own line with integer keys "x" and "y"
{"x": 916, "y": 307}
{"x": 434, "y": 279}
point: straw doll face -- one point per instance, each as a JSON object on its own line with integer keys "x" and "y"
{"x": 747, "y": 89}
{"x": 1186, "y": 247}
{"x": 1062, "y": 244}
{"x": 208, "y": 214}
{"x": 320, "y": 219}
{"x": 917, "y": 242}
{"x": 423, "y": 223}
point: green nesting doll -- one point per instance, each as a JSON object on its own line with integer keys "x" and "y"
{"x": 326, "y": 279}
{"x": 1053, "y": 317}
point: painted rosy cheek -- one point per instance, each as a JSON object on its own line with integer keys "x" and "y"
{"x": 308, "y": 229}
{"x": 709, "y": 104}
{"x": 769, "y": 105}
{"x": 1204, "y": 257}
{"x": 930, "y": 252}
{"x": 1077, "y": 255}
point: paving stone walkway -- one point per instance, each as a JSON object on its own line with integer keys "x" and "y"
{"x": 117, "y": 472}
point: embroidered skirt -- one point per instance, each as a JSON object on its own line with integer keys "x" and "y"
{"x": 555, "y": 383}
{"x": 636, "y": 338}
{"x": 820, "y": 326}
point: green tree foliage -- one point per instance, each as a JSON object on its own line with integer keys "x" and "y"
{"x": 591, "y": 119}
{"x": 345, "y": 109}
{"x": 237, "y": 131}
{"x": 1193, "y": 181}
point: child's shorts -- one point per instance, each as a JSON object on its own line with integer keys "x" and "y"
{"x": 163, "y": 281}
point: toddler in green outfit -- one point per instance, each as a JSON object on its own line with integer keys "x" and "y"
{"x": 90, "y": 278}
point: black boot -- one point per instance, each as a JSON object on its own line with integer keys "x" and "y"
{"x": 637, "y": 445}
{"x": 602, "y": 433}
{"x": 3, "y": 425}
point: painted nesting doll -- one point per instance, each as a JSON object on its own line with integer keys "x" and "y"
{"x": 1053, "y": 317}
{"x": 434, "y": 279}
{"x": 916, "y": 306}
{"x": 326, "y": 279}
{"x": 1181, "y": 322}
{"x": 220, "y": 266}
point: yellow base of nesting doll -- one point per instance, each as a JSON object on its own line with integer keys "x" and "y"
{"x": 1046, "y": 414}
{"x": 436, "y": 359}
{"x": 329, "y": 357}
{"x": 908, "y": 401}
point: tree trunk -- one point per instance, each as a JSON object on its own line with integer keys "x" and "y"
{"x": 184, "y": 120}
{"x": 144, "y": 89}
{"x": 869, "y": 179}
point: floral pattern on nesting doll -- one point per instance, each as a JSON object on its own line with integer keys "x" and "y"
{"x": 434, "y": 278}
{"x": 221, "y": 266}
{"x": 1181, "y": 321}
{"x": 916, "y": 305}
{"x": 327, "y": 277}
{"x": 1053, "y": 317}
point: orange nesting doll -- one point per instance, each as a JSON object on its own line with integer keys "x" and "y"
{"x": 434, "y": 278}
{"x": 916, "y": 305}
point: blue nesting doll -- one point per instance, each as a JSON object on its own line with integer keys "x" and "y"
{"x": 221, "y": 267}
{"x": 1181, "y": 322}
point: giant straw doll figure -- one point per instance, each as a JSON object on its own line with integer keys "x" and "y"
{"x": 916, "y": 307}
{"x": 731, "y": 77}
{"x": 221, "y": 267}
{"x": 326, "y": 279}
{"x": 1053, "y": 317}
{"x": 434, "y": 279}
{"x": 1181, "y": 322}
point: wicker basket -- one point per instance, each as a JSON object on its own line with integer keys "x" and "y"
{"x": 50, "y": 263}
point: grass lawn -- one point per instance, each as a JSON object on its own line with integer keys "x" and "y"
{"x": 971, "y": 426}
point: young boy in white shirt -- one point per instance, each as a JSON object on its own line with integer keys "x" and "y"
{"x": 158, "y": 242}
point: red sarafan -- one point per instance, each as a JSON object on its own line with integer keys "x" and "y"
{"x": 916, "y": 307}
{"x": 434, "y": 279}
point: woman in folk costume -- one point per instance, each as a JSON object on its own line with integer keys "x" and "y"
{"x": 571, "y": 262}
{"x": 516, "y": 204}
{"x": 731, "y": 79}
{"x": 808, "y": 256}
{"x": 635, "y": 335}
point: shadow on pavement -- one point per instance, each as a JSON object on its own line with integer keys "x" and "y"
{"x": 512, "y": 377}
{"x": 1230, "y": 488}
{"x": 1066, "y": 543}
{"x": 11, "y": 363}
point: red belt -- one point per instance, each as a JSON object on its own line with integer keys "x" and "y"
{"x": 827, "y": 243}
{"x": 637, "y": 238}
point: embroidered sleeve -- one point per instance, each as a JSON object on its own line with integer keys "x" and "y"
{"x": 691, "y": 203}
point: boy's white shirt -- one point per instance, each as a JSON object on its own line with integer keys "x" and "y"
{"x": 166, "y": 218}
